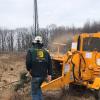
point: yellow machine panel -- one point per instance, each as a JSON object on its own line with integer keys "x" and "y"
{"x": 79, "y": 66}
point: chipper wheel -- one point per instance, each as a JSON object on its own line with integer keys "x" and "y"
{"x": 97, "y": 94}
{"x": 78, "y": 92}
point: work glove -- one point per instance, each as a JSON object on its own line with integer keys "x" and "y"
{"x": 49, "y": 78}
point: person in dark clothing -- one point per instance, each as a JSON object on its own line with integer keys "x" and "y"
{"x": 39, "y": 65}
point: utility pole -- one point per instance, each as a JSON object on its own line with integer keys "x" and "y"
{"x": 35, "y": 18}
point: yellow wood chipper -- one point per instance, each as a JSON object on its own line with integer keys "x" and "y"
{"x": 79, "y": 66}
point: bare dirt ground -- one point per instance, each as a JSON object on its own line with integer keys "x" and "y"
{"x": 11, "y": 65}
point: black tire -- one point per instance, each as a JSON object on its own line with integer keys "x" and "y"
{"x": 97, "y": 94}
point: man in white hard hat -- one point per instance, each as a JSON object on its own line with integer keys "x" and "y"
{"x": 38, "y": 63}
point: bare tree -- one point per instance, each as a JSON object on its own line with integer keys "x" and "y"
{"x": 10, "y": 41}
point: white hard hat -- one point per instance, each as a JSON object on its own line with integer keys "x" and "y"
{"x": 38, "y": 39}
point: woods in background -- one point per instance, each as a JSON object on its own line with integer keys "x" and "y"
{"x": 20, "y": 40}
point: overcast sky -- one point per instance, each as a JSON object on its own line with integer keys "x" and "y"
{"x": 19, "y": 13}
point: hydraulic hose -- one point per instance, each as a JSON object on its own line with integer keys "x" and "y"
{"x": 73, "y": 67}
